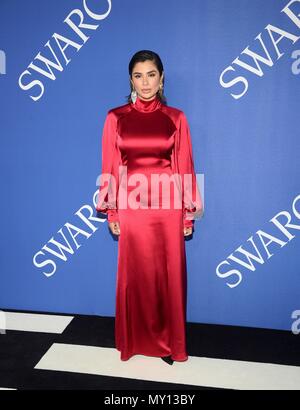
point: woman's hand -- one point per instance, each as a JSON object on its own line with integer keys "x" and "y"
{"x": 187, "y": 230}
{"x": 114, "y": 227}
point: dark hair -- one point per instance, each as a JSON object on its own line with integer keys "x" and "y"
{"x": 141, "y": 56}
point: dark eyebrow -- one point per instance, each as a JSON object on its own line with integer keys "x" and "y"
{"x": 152, "y": 71}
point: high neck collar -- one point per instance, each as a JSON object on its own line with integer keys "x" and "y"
{"x": 147, "y": 106}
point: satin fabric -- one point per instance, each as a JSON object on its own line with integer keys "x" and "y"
{"x": 139, "y": 141}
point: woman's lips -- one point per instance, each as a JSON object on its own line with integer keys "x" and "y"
{"x": 146, "y": 91}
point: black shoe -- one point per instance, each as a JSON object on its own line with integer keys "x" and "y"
{"x": 168, "y": 360}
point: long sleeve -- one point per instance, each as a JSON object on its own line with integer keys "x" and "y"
{"x": 107, "y": 201}
{"x": 191, "y": 198}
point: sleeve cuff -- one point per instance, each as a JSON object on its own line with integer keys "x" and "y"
{"x": 112, "y": 215}
{"x": 188, "y": 223}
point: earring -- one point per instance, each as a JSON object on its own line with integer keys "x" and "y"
{"x": 133, "y": 96}
{"x": 160, "y": 89}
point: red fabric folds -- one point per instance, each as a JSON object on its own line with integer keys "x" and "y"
{"x": 109, "y": 179}
{"x": 184, "y": 166}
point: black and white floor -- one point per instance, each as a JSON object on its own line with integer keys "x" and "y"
{"x": 53, "y": 351}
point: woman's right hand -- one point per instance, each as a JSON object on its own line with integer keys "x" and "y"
{"x": 114, "y": 227}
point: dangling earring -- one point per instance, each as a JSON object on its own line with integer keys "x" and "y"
{"x": 160, "y": 89}
{"x": 133, "y": 96}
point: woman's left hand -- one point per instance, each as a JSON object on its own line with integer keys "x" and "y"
{"x": 187, "y": 230}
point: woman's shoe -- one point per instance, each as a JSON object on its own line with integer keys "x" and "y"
{"x": 168, "y": 359}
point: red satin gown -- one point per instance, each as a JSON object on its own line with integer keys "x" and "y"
{"x": 139, "y": 140}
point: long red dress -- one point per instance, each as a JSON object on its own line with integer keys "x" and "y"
{"x": 139, "y": 140}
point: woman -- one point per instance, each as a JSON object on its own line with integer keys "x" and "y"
{"x": 144, "y": 139}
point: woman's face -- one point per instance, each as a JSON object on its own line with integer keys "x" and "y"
{"x": 146, "y": 79}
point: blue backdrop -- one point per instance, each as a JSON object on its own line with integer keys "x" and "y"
{"x": 233, "y": 67}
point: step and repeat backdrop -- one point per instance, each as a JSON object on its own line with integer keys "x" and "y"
{"x": 233, "y": 67}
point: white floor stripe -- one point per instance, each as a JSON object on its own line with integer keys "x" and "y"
{"x": 6, "y": 388}
{"x": 34, "y": 322}
{"x": 198, "y": 371}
